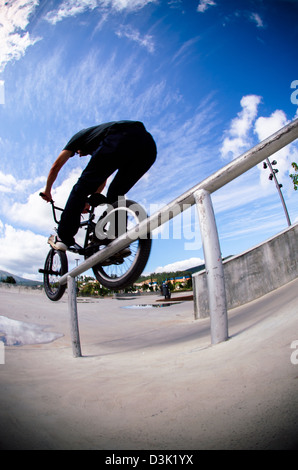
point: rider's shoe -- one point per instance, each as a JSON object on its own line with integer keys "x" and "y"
{"x": 124, "y": 253}
{"x": 56, "y": 243}
{"x": 117, "y": 258}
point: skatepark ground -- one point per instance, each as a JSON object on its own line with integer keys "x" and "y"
{"x": 149, "y": 378}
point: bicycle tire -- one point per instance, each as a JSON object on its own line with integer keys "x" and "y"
{"x": 55, "y": 266}
{"x": 132, "y": 266}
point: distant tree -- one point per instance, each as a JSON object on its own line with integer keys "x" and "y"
{"x": 88, "y": 289}
{"x": 9, "y": 280}
{"x": 145, "y": 287}
{"x": 294, "y": 176}
{"x": 91, "y": 288}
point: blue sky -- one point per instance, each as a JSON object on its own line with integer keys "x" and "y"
{"x": 209, "y": 79}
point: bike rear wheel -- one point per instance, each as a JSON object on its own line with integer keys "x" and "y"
{"x": 123, "y": 268}
{"x": 55, "y": 266}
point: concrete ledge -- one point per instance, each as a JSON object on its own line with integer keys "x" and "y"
{"x": 253, "y": 273}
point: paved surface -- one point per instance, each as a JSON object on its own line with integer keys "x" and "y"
{"x": 149, "y": 379}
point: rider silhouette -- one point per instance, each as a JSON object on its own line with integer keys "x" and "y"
{"x": 125, "y": 146}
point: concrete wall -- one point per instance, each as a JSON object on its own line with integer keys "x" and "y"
{"x": 253, "y": 273}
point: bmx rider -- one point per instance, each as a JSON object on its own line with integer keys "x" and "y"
{"x": 125, "y": 146}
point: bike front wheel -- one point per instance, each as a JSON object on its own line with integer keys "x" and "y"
{"x": 123, "y": 268}
{"x": 55, "y": 266}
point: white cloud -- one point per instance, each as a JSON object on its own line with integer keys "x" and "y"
{"x": 127, "y": 4}
{"x": 70, "y": 8}
{"x": 204, "y": 5}
{"x": 97, "y": 88}
{"x": 183, "y": 150}
{"x": 240, "y": 133}
{"x": 237, "y": 137}
{"x": 2, "y": 93}
{"x": 37, "y": 214}
{"x": 9, "y": 184}
{"x": 14, "y": 18}
{"x": 237, "y": 194}
{"x": 21, "y": 250}
{"x": 134, "y": 35}
{"x": 180, "y": 265}
{"x": 266, "y": 126}
{"x": 255, "y": 17}
{"x": 185, "y": 49}
{"x": 240, "y": 137}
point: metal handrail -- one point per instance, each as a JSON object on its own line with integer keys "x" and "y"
{"x": 229, "y": 172}
{"x": 199, "y": 194}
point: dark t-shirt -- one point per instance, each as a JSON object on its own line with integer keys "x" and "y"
{"x": 89, "y": 139}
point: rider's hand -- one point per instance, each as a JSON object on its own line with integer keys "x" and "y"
{"x": 86, "y": 208}
{"x": 46, "y": 195}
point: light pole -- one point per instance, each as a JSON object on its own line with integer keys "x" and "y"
{"x": 272, "y": 176}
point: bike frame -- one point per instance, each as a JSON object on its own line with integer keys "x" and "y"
{"x": 116, "y": 272}
{"x": 89, "y": 224}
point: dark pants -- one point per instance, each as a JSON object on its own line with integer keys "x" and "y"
{"x": 131, "y": 151}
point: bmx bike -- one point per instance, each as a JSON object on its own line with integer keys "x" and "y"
{"x": 118, "y": 271}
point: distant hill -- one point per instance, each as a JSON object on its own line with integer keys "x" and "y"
{"x": 196, "y": 269}
{"x": 20, "y": 281}
{"x": 160, "y": 277}
{"x": 167, "y": 275}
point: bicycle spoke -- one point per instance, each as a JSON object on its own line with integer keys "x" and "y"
{"x": 55, "y": 267}
{"x": 118, "y": 272}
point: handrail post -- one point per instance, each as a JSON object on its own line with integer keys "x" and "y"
{"x": 73, "y": 313}
{"x": 214, "y": 267}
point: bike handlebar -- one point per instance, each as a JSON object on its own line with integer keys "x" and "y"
{"x": 41, "y": 194}
{"x": 53, "y": 208}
